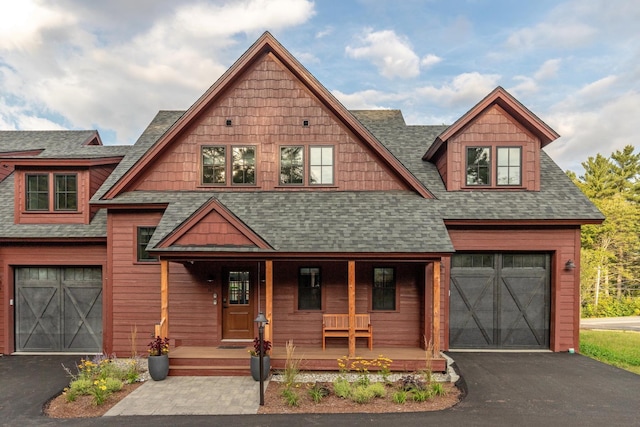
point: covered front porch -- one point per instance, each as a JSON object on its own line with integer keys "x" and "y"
{"x": 233, "y": 359}
{"x": 399, "y": 332}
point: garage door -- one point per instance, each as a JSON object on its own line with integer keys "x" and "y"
{"x": 499, "y": 301}
{"x": 58, "y": 309}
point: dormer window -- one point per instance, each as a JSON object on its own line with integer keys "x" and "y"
{"x": 39, "y": 192}
{"x": 482, "y": 172}
{"x": 478, "y": 165}
{"x": 509, "y": 170}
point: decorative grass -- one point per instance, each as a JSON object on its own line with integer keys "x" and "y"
{"x": 617, "y": 348}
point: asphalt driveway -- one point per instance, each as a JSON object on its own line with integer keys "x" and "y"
{"x": 524, "y": 389}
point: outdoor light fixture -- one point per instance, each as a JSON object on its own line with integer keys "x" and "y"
{"x": 261, "y": 320}
{"x": 570, "y": 265}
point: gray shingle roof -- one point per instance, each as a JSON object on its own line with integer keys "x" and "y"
{"x": 389, "y": 222}
{"x": 8, "y": 229}
{"x": 58, "y": 144}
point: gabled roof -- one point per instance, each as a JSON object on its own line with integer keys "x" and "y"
{"x": 264, "y": 45}
{"x": 499, "y": 96}
{"x": 56, "y": 144}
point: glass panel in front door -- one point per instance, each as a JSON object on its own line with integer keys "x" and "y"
{"x": 239, "y": 287}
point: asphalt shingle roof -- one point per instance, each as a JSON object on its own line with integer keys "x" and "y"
{"x": 68, "y": 144}
{"x": 386, "y": 222}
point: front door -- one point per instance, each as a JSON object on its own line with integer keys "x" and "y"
{"x": 237, "y": 305}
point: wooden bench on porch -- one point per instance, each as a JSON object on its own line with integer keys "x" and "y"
{"x": 337, "y": 325}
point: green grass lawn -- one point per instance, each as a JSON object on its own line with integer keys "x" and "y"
{"x": 617, "y": 348}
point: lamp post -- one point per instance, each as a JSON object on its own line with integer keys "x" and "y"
{"x": 261, "y": 320}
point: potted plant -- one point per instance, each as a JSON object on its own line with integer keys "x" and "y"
{"x": 159, "y": 358}
{"x": 255, "y": 359}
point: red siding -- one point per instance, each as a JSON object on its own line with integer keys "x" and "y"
{"x": 496, "y": 128}
{"x": 97, "y": 176}
{"x": 213, "y": 230}
{"x": 401, "y": 328}
{"x": 38, "y": 255}
{"x": 267, "y": 108}
{"x": 563, "y": 244}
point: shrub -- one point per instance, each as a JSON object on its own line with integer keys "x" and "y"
{"x": 341, "y": 388}
{"x": 362, "y": 394}
{"x": 420, "y": 395}
{"x": 399, "y": 397}
{"x": 412, "y": 382}
{"x": 437, "y": 389}
{"x": 317, "y": 392}
{"x": 378, "y": 389}
{"x": 291, "y": 397}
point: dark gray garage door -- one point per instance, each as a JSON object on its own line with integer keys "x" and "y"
{"x": 499, "y": 301}
{"x": 58, "y": 309}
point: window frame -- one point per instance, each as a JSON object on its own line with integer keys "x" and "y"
{"x": 391, "y": 291}
{"x": 300, "y": 293}
{"x": 138, "y": 250}
{"x": 213, "y": 166}
{"x": 51, "y": 193}
{"x": 306, "y": 165}
{"x": 508, "y": 166}
{"x": 231, "y": 163}
{"x": 57, "y": 192}
{"x": 488, "y": 167}
{"x": 321, "y": 165}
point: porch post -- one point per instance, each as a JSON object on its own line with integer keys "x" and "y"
{"x": 268, "y": 277}
{"x": 436, "y": 308}
{"x": 164, "y": 298}
{"x": 352, "y": 308}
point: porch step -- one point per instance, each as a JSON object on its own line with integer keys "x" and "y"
{"x": 209, "y": 371}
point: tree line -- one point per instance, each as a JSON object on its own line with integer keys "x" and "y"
{"x": 610, "y": 255}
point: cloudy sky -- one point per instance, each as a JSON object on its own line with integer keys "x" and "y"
{"x": 111, "y": 65}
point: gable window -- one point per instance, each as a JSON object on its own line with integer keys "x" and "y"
{"x": 292, "y": 165}
{"x": 384, "y": 289}
{"x": 509, "y": 169}
{"x": 243, "y": 165}
{"x": 39, "y": 192}
{"x": 321, "y": 165}
{"x": 478, "y": 165}
{"x": 309, "y": 290}
{"x": 143, "y": 237}
{"x": 214, "y": 160}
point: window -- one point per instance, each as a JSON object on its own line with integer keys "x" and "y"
{"x": 239, "y": 287}
{"x": 244, "y": 165}
{"x": 321, "y": 165}
{"x": 309, "y": 291}
{"x": 292, "y": 165}
{"x": 472, "y": 261}
{"x": 37, "y": 192}
{"x": 144, "y": 236}
{"x": 214, "y": 165}
{"x": 384, "y": 289}
{"x": 478, "y": 165}
{"x": 509, "y": 165}
{"x": 65, "y": 192}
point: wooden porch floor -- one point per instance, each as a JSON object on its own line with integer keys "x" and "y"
{"x": 233, "y": 359}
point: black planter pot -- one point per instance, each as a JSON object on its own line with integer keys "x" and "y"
{"x": 255, "y": 367}
{"x": 158, "y": 367}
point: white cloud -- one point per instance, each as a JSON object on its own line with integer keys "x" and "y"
{"x": 389, "y": 52}
{"x": 525, "y": 85}
{"x": 430, "y": 60}
{"x": 326, "y": 32}
{"x": 585, "y": 133}
{"x": 464, "y": 90}
{"x": 64, "y": 67}
{"x": 548, "y": 70}
{"x": 368, "y": 99}
{"x": 551, "y": 35}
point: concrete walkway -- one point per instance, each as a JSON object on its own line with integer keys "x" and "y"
{"x": 192, "y": 396}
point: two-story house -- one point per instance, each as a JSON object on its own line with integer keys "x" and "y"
{"x": 267, "y": 195}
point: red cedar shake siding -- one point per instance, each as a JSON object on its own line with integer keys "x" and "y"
{"x": 493, "y": 128}
{"x": 267, "y": 109}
